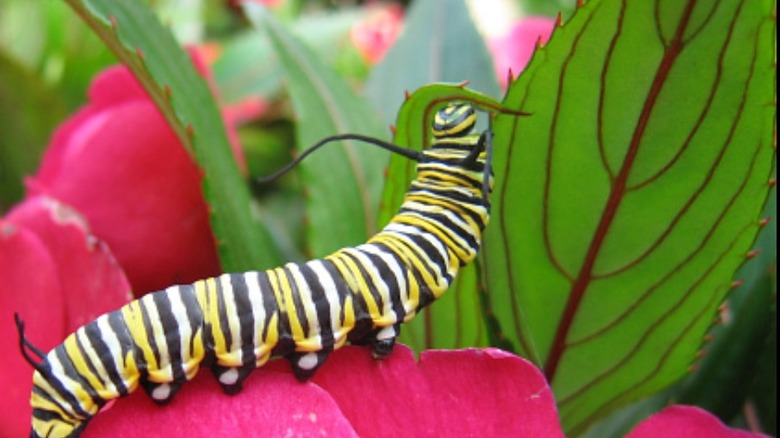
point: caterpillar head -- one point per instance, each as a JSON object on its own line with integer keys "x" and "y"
{"x": 453, "y": 121}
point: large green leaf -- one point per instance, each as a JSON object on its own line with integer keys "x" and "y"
{"x": 343, "y": 181}
{"x": 138, "y": 39}
{"x": 626, "y": 202}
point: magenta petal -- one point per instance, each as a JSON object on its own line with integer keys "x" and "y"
{"x": 687, "y": 422}
{"x": 513, "y": 50}
{"x": 125, "y": 171}
{"x": 474, "y": 392}
{"x": 91, "y": 280}
{"x": 29, "y": 287}
{"x": 272, "y": 404}
{"x": 510, "y": 395}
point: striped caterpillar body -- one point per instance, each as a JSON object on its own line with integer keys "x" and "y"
{"x": 234, "y": 323}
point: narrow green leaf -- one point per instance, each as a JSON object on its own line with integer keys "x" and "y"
{"x": 25, "y": 128}
{"x": 439, "y": 43}
{"x": 344, "y": 180}
{"x": 138, "y": 39}
{"x": 627, "y": 201}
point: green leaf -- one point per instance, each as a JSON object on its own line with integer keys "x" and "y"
{"x": 439, "y": 43}
{"x": 138, "y": 39}
{"x": 625, "y": 204}
{"x": 25, "y": 128}
{"x": 344, "y": 180}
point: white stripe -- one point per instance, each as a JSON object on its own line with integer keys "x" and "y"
{"x": 231, "y": 312}
{"x": 307, "y": 302}
{"x": 58, "y": 373}
{"x": 395, "y": 268}
{"x": 252, "y": 280}
{"x": 387, "y": 316}
{"x": 109, "y": 337}
{"x": 179, "y": 311}
{"x": 158, "y": 333}
{"x": 335, "y": 302}
{"x": 100, "y": 370}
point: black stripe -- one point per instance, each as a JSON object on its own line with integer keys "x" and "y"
{"x": 162, "y": 302}
{"x": 66, "y": 392}
{"x": 343, "y": 290}
{"x": 224, "y": 319}
{"x": 366, "y": 277}
{"x": 195, "y": 315}
{"x": 391, "y": 283}
{"x": 149, "y": 329}
{"x": 117, "y": 323}
{"x": 92, "y": 370}
{"x": 321, "y": 304}
{"x": 105, "y": 355}
{"x": 46, "y": 415}
{"x": 245, "y": 317}
{"x": 298, "y": 305}
{"x": 285, "y": 345}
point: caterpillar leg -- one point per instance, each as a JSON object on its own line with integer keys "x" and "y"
{"x": 161, "y": 393}
{"x": 232, "y": 378}
{"x": 383, "y": 341}
{"x": 304, "y": 365}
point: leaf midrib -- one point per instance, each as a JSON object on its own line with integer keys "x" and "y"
{"x": 584, "y": 277}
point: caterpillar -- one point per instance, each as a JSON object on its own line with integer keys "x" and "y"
{"x": 234, "y": 323}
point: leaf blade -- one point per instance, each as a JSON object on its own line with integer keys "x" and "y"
{"x": 640, "y": 220}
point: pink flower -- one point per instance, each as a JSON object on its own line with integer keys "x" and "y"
{"x": 374, "y": 35}
{"x": 687, "y": 422}
{"x": 512, "y": 51}
{"x": 56, "y": 276}
{"x": 474, "y": 392}
{"x": 119, "y": 163}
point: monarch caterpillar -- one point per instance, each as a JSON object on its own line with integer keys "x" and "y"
{"x": 234, "y": 323}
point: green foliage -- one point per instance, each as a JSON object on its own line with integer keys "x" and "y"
{"x": 624, "y": 203}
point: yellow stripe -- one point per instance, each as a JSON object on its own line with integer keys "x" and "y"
{"x": 348, "y": 323}
{"x": 217, "y": 332}
{"x": 405, "y": 252}
{"x": 351, "y": 273}
{"x": 132, "y": 315}
{"x": 163, "y": 373}
{"x": 296, "y": 329}
{"x": 80, "y": 363}
{"x": 270, "y": 341}
{"x": 231, "y": 357}
{"x": 313, "y": 341}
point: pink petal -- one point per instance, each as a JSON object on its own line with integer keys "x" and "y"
{"x": 30, "y": 287}
{"x": 125, "y": 170}
{"x": 687, "y": 422}
{"x": 474, "y": 392}
{"x": 272, "y": 404}
{"x": 91, "y": 280}
{"x": 374, "y": 36}
{"x": 514, "y": 50}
